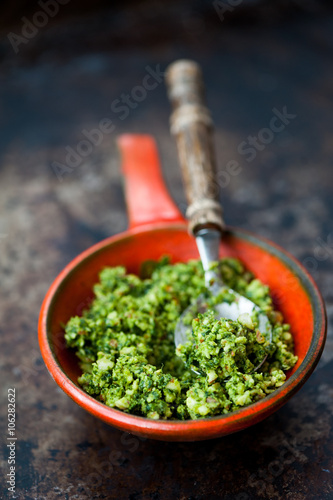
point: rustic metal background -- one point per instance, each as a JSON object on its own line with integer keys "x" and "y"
{"x": 64, "y": 79}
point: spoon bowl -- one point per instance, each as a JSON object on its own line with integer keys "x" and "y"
{"x": 207, "y": 241}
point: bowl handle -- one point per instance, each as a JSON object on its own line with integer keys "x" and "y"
{"x": 147, "y": 199}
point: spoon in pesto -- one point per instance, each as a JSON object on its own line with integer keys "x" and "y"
{"x": 192, "y": 126}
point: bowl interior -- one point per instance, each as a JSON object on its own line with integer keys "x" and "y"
{"x": 72, "y": 291}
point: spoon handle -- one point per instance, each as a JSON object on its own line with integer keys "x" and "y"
{"x": 192, "y": 126}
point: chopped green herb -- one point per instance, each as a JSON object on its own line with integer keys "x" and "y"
{"x": 125, "y": 343}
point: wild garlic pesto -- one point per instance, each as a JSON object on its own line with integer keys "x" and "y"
{"x": 125, "y": 343}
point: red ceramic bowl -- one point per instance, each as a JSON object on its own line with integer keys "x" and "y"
{"x": 157, "y": 228}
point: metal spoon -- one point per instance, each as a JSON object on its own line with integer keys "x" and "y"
{"x": 192, "y": 125}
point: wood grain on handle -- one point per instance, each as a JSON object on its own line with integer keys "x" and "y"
{"x": 192, "y": 126}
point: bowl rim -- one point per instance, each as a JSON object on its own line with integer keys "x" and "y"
{"x": 193, "y": 429}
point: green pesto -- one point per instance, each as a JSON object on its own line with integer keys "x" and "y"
{"x": 125, "y": 343}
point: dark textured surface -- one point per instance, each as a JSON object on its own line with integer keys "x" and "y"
{"x": 63, "y": 81}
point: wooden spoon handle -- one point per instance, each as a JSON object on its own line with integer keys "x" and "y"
{"x": 192, "y": 125}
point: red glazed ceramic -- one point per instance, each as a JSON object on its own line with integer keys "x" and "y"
{"x": 157, "y": 228}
